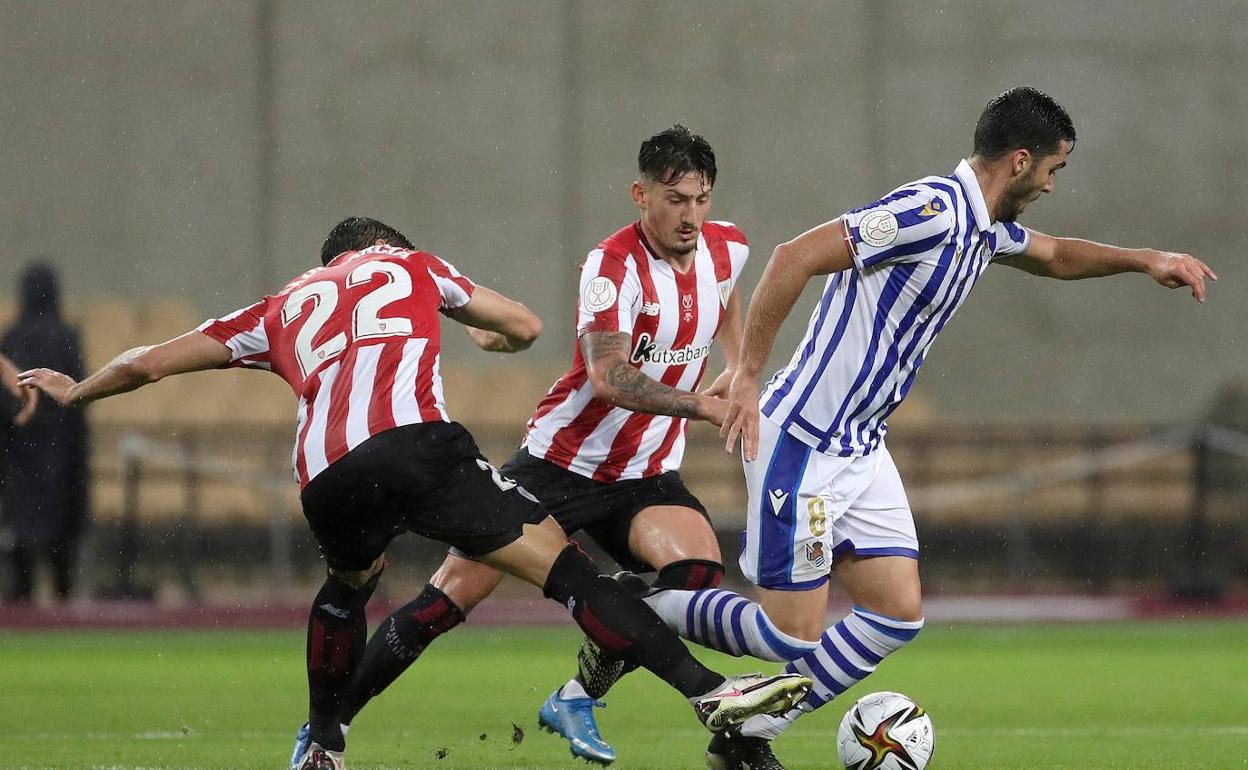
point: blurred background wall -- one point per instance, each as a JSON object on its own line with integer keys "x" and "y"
{"x": 177, "y": 159}
{"x": 201, "y": 151}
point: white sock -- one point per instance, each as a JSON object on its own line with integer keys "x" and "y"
{"x": 573, "y": 689}
{"x": 769, "y": 727}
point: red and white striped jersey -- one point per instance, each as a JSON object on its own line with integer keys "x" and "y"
{"x": 672, "y": 317}
{"x": 357, "y": 340}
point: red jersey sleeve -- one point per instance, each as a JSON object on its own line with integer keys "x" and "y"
{"x": 456, "y": 288}
{"x": 244, "y": 334}
{"x": 610, "y": 290}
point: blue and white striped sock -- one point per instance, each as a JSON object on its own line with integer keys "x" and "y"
{"x": 728, "y": 622}
{"x": 847, "y": 653}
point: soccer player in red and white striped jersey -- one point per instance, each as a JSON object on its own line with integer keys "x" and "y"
{"x": 386, "y": 300}
{"x": 357, "y": 340}
{"x": 603, "y": 448}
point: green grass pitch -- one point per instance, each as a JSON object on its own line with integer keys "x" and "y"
{"x": 1148, "y": 695}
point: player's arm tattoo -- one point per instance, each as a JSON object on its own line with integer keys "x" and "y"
{"x": 617, "y": 381}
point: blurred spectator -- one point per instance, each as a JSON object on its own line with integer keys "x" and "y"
{"x": 45, "y": 474}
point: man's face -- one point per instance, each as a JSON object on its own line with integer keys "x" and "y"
{"x": 1035, "y": 178}
{"x": 672, "y": 214}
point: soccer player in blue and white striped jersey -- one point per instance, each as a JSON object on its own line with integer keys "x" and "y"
{"x": 823, "y": 492}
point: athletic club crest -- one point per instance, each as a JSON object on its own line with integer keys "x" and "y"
{"x": 686, "y": 304}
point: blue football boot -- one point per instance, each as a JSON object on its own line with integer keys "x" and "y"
{"x": 303, "y": 744}
{"x": 573, "y": 718}
{"x": 303, "y": 741}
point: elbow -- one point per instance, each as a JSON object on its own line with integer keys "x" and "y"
{"x": 143, "y": 369}
{"x": 791, "y": 260}
{"x": 601, "y": 389}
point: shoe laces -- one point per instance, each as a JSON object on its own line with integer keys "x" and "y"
{"x": 584, "y": 707}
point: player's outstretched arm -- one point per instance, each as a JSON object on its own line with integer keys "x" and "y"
{"x": 496, "y": 323}
{"x": 192, "y": 352}
{"x": 819, "y": 251}
{"x": 1073, "y": 258}
{"x": 615, "y": 380}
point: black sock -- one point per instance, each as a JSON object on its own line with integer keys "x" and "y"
{"x": 337, "y": 628}
{"x": 690, "y": 575}
{"x": 396, "y": 644}
{"x": 623, "y": 625}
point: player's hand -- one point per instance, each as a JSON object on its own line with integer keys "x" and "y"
{"x": 719, "y": 388}
{"x": 1174, "y": 270}
{"x": 714, "y": 410}
{"x": 742, "y": 417}
{"x": 491, "y": 342}
{"x": 55, "y": 384}
{"x": 30, "y": 401}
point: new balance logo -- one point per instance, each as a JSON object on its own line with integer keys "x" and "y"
{"x": 649, "y": 308}
{"x": 778, "y": 496}
{"x": 332, "y": 610}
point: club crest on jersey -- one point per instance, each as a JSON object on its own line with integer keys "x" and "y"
{"x": 647, "y": 351}
{"x": 815, "y": 554}
{"x": 599, "y": 294}
{"x": 725, "y": 291}
{"x": 878, "y": 229}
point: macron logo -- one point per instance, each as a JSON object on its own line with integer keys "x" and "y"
{"x": 778, "y": 496}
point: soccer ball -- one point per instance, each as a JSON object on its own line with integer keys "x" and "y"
{"x": 885, "y": 731}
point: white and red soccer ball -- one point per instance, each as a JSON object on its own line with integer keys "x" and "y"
{"x": 885, "y": 731}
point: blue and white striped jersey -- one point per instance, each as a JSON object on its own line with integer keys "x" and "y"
{"x": 917, "y": 252}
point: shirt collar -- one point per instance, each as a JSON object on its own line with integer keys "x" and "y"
{"x": 974, "y": 195}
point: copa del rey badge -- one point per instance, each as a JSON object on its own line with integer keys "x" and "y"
{"x": 725, "y": 291}
{"x": 878, "y": 229}
{"x": 599, "y": 294}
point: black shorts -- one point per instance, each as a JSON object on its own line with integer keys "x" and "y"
{"x": 603, "y": 510}
{"x": 430, "y": 479}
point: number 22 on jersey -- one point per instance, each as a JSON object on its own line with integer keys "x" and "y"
{"x": 366, "y": 320}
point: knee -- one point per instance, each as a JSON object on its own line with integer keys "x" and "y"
{"x": 465, "y": 583}
{"x": 358, "y": 579}
{"x": 906, "y": 610}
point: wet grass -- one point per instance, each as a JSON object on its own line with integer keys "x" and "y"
{"x": 1148, "y": 695}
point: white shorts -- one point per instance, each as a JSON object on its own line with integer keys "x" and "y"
{"x": 805, "y": 509}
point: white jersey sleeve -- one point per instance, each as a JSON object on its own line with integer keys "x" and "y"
{"x": 903, "y": 226}
{"x": 244, "y": 334}
{"x": 610, "y": 294}
{"x": 456, "y": 288}
{"x": 1011, "y": 239}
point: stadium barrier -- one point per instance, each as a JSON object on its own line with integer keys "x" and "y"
{"x": 1010, "y": 484}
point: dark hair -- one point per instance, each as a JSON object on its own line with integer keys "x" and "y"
{"x": 669, "y": 155}
{"x": 1022, "y": 118}
{"x": 355, "y": 233}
